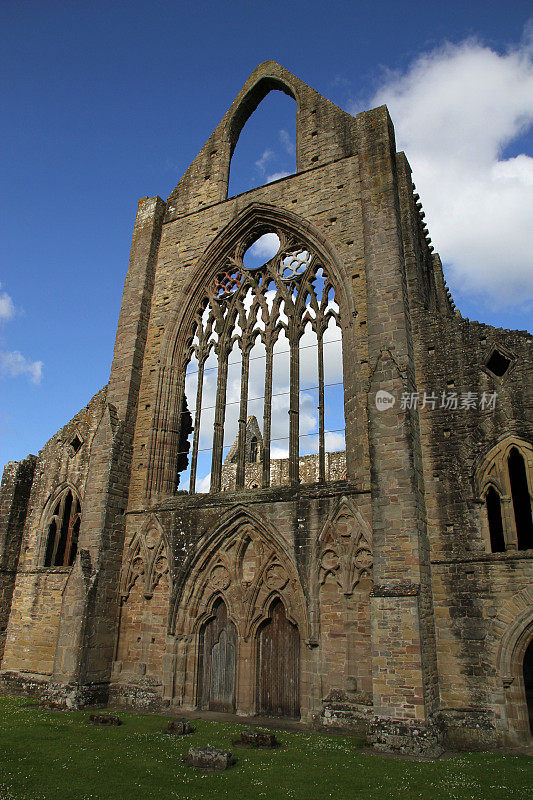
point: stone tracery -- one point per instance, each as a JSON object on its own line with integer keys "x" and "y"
{"x": 247, "y": 569}
{"x": 146, "y": 561}
{"x": 285, "y": 306}
{"x": 345, "y": 549}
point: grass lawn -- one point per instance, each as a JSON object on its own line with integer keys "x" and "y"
{"x": 46, "y": 755}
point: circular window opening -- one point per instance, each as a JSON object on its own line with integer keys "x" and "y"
{"x": 262, "y": 250}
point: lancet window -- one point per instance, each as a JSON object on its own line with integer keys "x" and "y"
{"x": 62, "y": 530}
{"x": 503, "y": 481}
{"x": 263, "y": 391}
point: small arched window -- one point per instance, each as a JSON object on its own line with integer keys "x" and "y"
{"x": 62, "y": 531}
{"x": 266, "y": 146}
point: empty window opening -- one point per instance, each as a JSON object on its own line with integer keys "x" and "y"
{"x": 494, "y": 516}
{"x": 63, "y": 529}
{"x": 521, "y": 500}
{"x": 262, "y": 250}
{"x": 498, "y": 363}
{"x": 528, "y": 682}
{"x": 254, "y": 449}
{"x": 263, "y": 388}
{"x": 266, "y": 149}
{"x": 76, "y": 443}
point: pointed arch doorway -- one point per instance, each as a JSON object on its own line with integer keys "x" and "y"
{"x": 278, "y": 665}
{"x": 218, "y": 661}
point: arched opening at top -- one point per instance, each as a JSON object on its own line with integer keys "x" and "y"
{"x": 266, "y": 147}
{"x": 278, "y": 665}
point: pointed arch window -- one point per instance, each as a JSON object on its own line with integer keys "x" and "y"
{"x": 62, "y": 531}
{"x": 264, "y": 354}
{"x": 503, "y": 482}
{"x": 263, "y": 139}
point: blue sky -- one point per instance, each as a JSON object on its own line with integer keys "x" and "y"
{"x": 108, "y": 102}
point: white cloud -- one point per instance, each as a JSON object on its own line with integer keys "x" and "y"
{"x": 13, "y": 364}
{"x": 287, "y": 141}
{"x": 261, "y": 162}
{"x": 203, "y": 485}
{"x": 455, "y": 109}
{"x": 266, "y": 246}
{"x": 334, "y": 442}
{"x": 277, "y": 175}
{"x": 7, "y": 307}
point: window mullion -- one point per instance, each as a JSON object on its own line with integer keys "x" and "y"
{"x": 218, "y": 433}
{"x": 267, "y": 412}
{"x": 175, "y": 431}
{"x": 59, "y": 528}
{"x": 321, "y": 436}
{"x": 197, "y": 421}
{"x": 241, "y": 449}
{"x": 71, "y": 520}
{"x": 294, "y": 409}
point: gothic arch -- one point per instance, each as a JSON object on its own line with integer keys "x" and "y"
{"x": 493, "y": 471}
{"x": 229, "y": 246}
{"x": 241, "y": 232}
{"x": 251, "y": 100}
{"x": 513, "y": 632}
{"x": 46, "y": 513}
{"x": 216, "y": 571}
{"x": 489, "y": 469}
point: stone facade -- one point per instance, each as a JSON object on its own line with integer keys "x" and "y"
{"x": 385, "y": 585}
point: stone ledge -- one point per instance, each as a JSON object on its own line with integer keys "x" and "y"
{"x": 406, "y": 737}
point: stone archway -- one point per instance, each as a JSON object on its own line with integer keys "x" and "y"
{"x": 514, "y": 664}
{"x": 240, "y": 571}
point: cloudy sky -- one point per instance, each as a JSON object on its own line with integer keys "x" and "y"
{"x": 108, "y": 102}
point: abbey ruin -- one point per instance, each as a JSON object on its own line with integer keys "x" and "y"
{"x": 306, "y": 489}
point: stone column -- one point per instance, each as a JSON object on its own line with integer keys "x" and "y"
{"x": 89, "y": 613}
{"x": 405, "y": 691}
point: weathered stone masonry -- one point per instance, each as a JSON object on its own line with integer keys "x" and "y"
{"x": 386, "y": 587}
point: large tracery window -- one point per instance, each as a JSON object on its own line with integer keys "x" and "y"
{"x": 264, "y": 401}
{"x": 62, "y": 530}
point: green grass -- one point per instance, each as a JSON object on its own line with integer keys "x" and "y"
{"x": 46, "y": 755}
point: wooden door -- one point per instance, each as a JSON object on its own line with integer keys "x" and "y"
{"x": 278, "y": 687}
{"x": 218, "y": 660}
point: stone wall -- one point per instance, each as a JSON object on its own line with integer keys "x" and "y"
{"x": 38, "y": 591}
{"x": 14, "y": 496}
